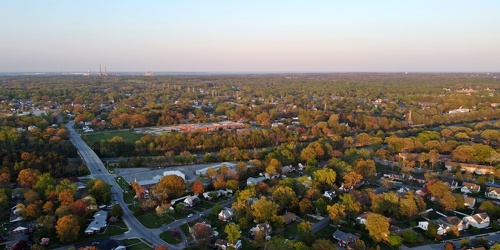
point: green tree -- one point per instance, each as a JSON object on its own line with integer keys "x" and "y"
{"x": 323, "y": 244}
{"x": 169, "y": 187}
{"x": 377, "y": 226}
{"x": 359, "y": 245}
{"x": 351, "y": 206}
{"x": 68, "y": 228}
{"x": 116, "y": 210}
{"x": 233, "y": 233}
{"x": 336, "y": 213}
{"x": 408, "y": 207}
{"x": 305, "y": 232}
{"x": 395, "y": 240}
{"x": 431, "y": 230}
{"x": 4, "y": 200}
{"x": 325, "y": 178}
{"x": 263, "y": 210}
{"x": 410, "y": 237}
{"x": 284, "y": 196}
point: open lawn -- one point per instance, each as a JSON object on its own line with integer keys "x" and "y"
{"x": 326, "y": 233}
{"x": 168, "y": 237}
{"x": 135, "y": 244}
{"x": 128, "y": 136}
{"x": 203, "y": 206}
{"x": 124, "y": 185}
{"x": 185, "y": 229}
{"x": 291, "y": 229}
{"x": 128, "y": 197}
{"x": 151, "y": 220}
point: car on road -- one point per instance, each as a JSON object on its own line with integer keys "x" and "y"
{"x": 189, "y": 215}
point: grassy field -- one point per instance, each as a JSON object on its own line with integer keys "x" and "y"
{"x": 168, "y": 237}
{"x": 185, "y": 229}
{"x": 122, "y": 183}
{"x": 151, "y": 220}
{"x": 135, "y": 244}
{"x": 129, "y": 136}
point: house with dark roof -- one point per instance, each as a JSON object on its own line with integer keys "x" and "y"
{"x": 344, "y": 239}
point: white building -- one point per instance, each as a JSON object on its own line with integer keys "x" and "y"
{"x": 216, "y": 167}
{"x": 175, "y": 172}
{"x": 481, "y": 220}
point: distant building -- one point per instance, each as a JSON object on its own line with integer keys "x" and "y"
{"x": 216, "y": 167}
{"x": 210, "y": 127}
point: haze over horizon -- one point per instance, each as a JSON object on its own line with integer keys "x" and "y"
{"x": 256, "y": 36}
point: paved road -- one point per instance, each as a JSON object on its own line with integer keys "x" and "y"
{"x": 98, "y": 171}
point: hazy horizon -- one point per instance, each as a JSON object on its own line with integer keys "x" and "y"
{"x": 251, "y": 37}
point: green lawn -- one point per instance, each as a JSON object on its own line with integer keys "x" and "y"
{"x": 151, "y": 220}
{"x": 114, "y": 228}
{"x": 122, "y": 183}
{"x": 128, "y": 197}
{"x": 203, "y": 206}
{"x": 326, "y": 233}
{"x": 291, "y": 229}
{"x": 129, "y": 136}
{"x": 168, "y": 237}
{"x": 135, "y": 244}
{"x": 185, "y": 229}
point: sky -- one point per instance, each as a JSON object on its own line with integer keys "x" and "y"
{"x": 250, "y": 36}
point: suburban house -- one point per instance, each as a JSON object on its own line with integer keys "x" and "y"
{"x": 345, "y": 240}
{"x": 289, "y": 217}
{"x": 481, "y": 220}
{"x": 209, "y": 195}
{"x": 447, "y": 222}
{"x": 223, "y": 244}
{"x": 265, "y": 227}
{"x": 227, "y": 214}
{"x": 198, "y": 225}
{"x": 471, "y": 168}
{"x": 255, "y": 180}
{"x": 192, "y": 201}
{"x": 98, "y": 224}
{"x": 453, "y": 184}
{"x": 468, "y": 187}
{"x": 287, "y": 169}
{"x": 423, "y": 225}
{"x": 361, "y": 219}
{"x": 493, "y": 192}
{"x": 469, "y": 202}
{"x": 330, "y": 194}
